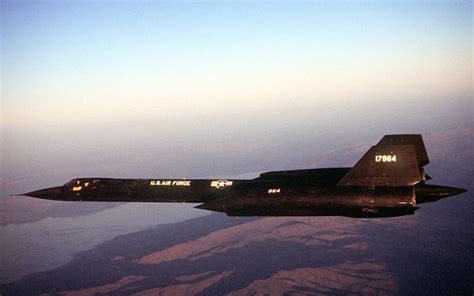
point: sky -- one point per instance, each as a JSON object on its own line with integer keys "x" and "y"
{"x": 124, "y": 88}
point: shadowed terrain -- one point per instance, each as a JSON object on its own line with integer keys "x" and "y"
{"x": 216, "y": 255}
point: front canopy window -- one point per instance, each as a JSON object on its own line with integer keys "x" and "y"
{"x": 73, "y": 182}
{"x": 74, "y": 185}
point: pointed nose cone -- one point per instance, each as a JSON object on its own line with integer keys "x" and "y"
{"x": 48, "y": 193}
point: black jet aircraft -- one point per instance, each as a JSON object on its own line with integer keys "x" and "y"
{"x": 389, "y": 180}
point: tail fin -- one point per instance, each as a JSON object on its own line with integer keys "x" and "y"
{"x": 396, "y": 160}
{"x": 415, "y": 140}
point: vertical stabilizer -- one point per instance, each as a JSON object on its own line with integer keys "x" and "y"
{"x": 395, "y": 161}
{"x": 414, "y": 139}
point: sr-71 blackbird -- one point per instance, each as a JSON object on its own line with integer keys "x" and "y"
{"x": 389, "y": 180}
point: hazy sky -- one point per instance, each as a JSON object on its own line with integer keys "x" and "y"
{"x": 106, "y": 83}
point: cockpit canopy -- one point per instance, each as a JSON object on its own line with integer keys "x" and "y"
{"x": 80, "y": 184}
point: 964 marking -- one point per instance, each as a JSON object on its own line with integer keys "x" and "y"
{"x": 385, "y": 158}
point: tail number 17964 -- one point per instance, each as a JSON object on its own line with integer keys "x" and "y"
{"x": 385, "y": 158}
